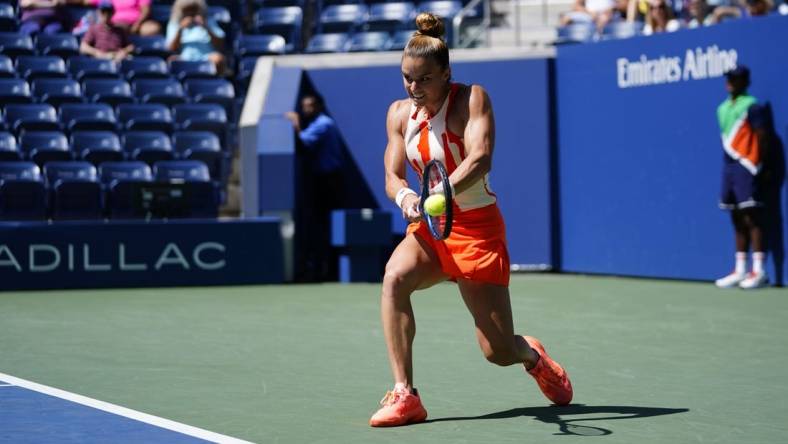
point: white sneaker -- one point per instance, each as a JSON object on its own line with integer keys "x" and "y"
{"x": 731, "y": 280}
{"x": 754, "y": 280}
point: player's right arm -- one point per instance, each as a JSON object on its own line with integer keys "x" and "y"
{"x": 395, "y": 158}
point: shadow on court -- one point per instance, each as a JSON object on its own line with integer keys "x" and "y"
{"x": 563, "y": 416}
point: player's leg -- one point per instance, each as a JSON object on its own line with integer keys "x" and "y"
{"x": 491, "y": 309}
{"x": 752, "y": 221}
{"x": 742, "y": 238}
{"x": 412, "y": 266}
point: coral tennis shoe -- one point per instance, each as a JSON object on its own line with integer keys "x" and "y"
{"x": 551, "y": 377}
{"x": 399, "y": 407}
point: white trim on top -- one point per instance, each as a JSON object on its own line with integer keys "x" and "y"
{"x": 122, "y": 411}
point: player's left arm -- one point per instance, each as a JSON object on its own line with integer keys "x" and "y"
{"x": 479, "y": 140}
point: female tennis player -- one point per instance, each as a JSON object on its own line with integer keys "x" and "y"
{"x": 453, "y": 123}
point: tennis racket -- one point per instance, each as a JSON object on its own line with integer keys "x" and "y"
{"x": 435, "y": 177}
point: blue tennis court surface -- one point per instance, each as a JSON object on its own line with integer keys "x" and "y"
{"x": 33, "y": 413}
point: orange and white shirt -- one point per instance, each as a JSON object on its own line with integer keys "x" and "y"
{"x": 428, "y": 138}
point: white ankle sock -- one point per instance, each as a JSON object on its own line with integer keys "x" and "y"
{"x": 741, "y": 262}
{"x": 757, "y": 261}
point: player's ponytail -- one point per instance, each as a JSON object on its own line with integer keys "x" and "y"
{"x": 428, "y": 41}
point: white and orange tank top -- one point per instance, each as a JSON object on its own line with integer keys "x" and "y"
{"x": 428, "y": 137}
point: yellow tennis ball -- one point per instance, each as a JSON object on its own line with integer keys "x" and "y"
{"x": 435, "y": 205}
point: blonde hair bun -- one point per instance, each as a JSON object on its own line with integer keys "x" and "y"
{"x": 429, "y": 25}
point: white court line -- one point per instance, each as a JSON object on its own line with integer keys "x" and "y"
{"x": 123, "y": 411}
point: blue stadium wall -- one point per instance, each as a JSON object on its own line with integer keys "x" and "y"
{"x": 640, "y": 158}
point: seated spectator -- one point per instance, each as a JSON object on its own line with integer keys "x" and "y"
{"x": 133, "y": 15}
{"x": 45, "y": 16}
{"x": 104, "y": 39}
{"x": 660, "y": 18}
{"x": 600, "y": 12}
{"x": 700, "y": 13}
{"x": 194, "y": 36}
{"x": 747, "y": 8}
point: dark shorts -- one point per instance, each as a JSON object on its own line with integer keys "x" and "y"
{"x": 739, "y": 188}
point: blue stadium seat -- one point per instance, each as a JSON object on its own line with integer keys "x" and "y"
{"x": 96, "y": 147}
{"x": 22, "y": 192}
{"x": 201, "y": 117}
{"x": 148, "y": 146}
{"x": 218, "y": 91}
{"x": 284, "y": 21}
{"x": 203, "y": 193}
{"x": 8, "y": 149}
{"x": 8, "y": 20}
{"x": 400, "y": 39}
{"x": 220, "y": 15}
{"x": 167, "y": 91}
{"x": 150, "y": 46}
{"x": 36, "y": 67}
{"x": 6, "y": 67}
{"x": 31, "y": 117}
{"x": 161, "y": 13}
{"x": 88, "y": 116}
{"x": 203, "y": 146}
{"x": 146, "y": 117}
{"x": 75, "y": 190}
{"x": 278, "y": 3}
{"x": 369, "y": 41}
{"x": 335, "y": 42}
{"x": 622, "y": 30}
{"x": 342, "y": 18}
{"x": 445, "y": 9}
{"x": 390, "y": 17}
{"x": 44, "y": 146}
{"x": 62, "y": 45}
{"x": 111, "y": 91}
{"x": 187, "y": 69}
{"x": 121, "y": 181}
{"x": 15, "y": 91}
{"x": 145, "y": 67}
{"x": 57, "y": 91}
{"x": 14, "y": 45}
{"x": 259, "y": 45}
{"x": 85, "y": 67}
{"x": 576, "y": 33}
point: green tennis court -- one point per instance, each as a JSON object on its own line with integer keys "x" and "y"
{"x": 650, "y": 361}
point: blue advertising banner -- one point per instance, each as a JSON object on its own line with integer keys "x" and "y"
{"x": 139, "y": 254}
{"x": 640, "y": 151}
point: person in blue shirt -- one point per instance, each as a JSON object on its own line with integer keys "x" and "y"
{"x": 322, "y": 154}
{"x": 194, "y": 36}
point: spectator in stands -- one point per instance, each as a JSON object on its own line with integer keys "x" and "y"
{"x": 600, "y": 12}
{"x": 104, "y": 39}
{"x": 701, "y": 14}
{"x": 745, "y": 144}
{"x": 322, "y": 148}
{"x": 192, "y": 35}
{"x": 748, "y": 8}
{"x": 43, "y": 16}
{"x": 660, "y": 18}
{"x": 133, "y": 15}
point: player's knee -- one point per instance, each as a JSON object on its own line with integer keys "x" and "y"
{"x": 396, "y": 280}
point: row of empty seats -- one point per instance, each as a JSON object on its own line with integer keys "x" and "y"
{"x": 97, "y": 147}
{"x": 119, "y": 190}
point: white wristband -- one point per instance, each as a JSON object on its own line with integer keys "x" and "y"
{"x": 404, "y": 191}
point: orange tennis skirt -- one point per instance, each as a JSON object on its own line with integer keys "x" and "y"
{"x": 475, "y": 249}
